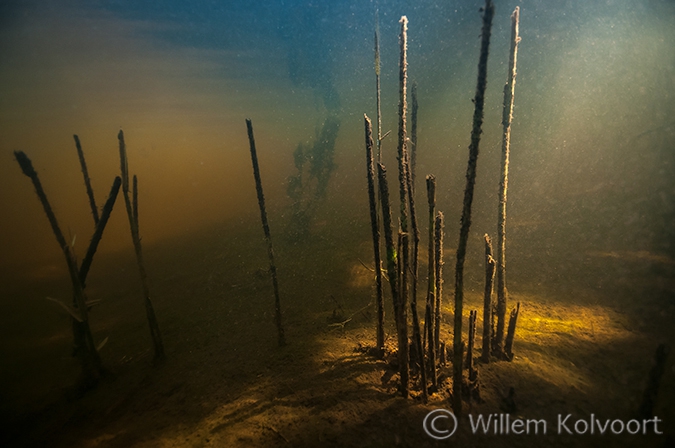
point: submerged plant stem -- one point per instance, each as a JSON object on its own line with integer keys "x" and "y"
{"x": 414, "y": 268}
{"x": 429, "y": 317}
{"x": 507, "y": 117}
{"x": 403, "y": 190}
{"x": 92, "y": 368}
{"x": 87, "y": 181}
{"x": 378, "y": 90}
{"x": 479, "y": 100}
{"x": 281, "y": 338}
{"x": 392, "y": 270}
{"x": 375, "y": 228}
{"x": 132, "y": 214}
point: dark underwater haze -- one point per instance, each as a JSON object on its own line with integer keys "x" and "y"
{"x": 593, "y": 139}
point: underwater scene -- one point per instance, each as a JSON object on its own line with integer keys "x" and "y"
{"x": 337, "y": 223}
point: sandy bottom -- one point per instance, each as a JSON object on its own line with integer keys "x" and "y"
{"x": 581, "y": 349}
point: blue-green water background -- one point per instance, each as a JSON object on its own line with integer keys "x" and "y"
{"x": 592, "y": 135}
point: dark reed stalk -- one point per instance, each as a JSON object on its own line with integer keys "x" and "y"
{"x": 487, "y": 300}
{"x": 378, "y": 89}
{"x": 87, "y": 181}
{"x": 413, "y": 135}
{"x": 649, "y": 397}
{"x": 27, "y": 169}
{"x": 431, "y": 284}
{"x": 392, "y": 271}
{"x": 268, "y": 238}
{"x": 403, "y": 190}
{"x": 92, "y": 368}
{"x": 98, "y": 232}
{"x": 132, "y": 214}
{"x": 473, "y": 386}
{"x": 507, "y": 118}
{"x": 511, "y": 332}
{"x": 479, "y": 100}
{"x": 414, "y": 267}
{"x": 469, "y": 351}
{"x": 79, "y": 331}
{"x": 375, "y": 228}
{"x": 438, "y": 263}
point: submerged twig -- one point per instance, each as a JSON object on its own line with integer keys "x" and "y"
{"x": 413, "y": 266}
{"x": 92, "y": 369}
{"x": 430, "y": 313}
{"x": 479, "y": 100}
{"x": 392, "y": 269}
{"x": 268, "y": 238}
{"x": 87, "y": 181}
{"x": 375, "y": 229}
{"x": 132, "y": 214}
{"x": 98, "y": 232}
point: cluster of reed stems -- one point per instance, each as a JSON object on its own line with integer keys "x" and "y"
{"x": 84, "y": 347}
{"x": 402, "y": 259}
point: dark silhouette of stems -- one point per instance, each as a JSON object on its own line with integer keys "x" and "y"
{"x": 649, "y": 398}
{"x": 469, "y": 351}
{"x": 429, "y": 317}
{"x": 378, "y": 90}
{"x": 87, "y": 181}
{"x": 370, "y": 166}
{"x": 132, "y": 214}
{"x": 98, "y": 232}
{"x": 473, "y": 387}
{"x": 511, "y": 333}
{"x": 393, "y": 273}
{"x": 479, "y": 100}
{"x": 417, "y": 336}
{"x": 268, "y": 238}
{"x": 79, "y": 332}
{"x": 92, "y": 368}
